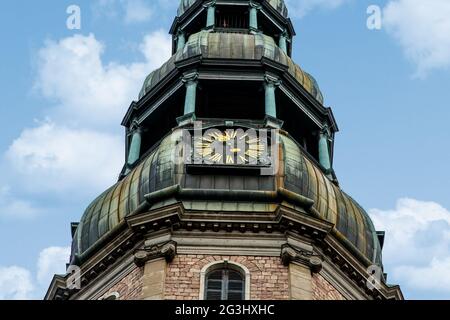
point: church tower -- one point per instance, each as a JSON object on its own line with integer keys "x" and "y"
{"x": 228, "y": 189}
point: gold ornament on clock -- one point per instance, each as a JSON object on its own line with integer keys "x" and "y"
{"x": 231, "y": 147}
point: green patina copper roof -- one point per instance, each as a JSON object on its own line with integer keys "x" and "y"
{"x": 158, "y": 171}
{"x": 217, "y": 45}
{"x": 279, "y": 5}
{"x": 303, "y": 177}
{"x": 107, "y": 212}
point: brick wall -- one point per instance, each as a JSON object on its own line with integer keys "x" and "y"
{"x": 323, "y": 290}
{"x": 269, "y": 279}
{"x": 130, "y": 287}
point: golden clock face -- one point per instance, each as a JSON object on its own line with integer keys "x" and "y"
{"x": 231, "y": 147}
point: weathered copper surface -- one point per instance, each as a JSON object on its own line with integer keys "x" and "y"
{"x": 297, "y": 174}
{"x": 218, "y": 45}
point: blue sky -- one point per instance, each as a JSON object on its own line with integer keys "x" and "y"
{"x": 388, "y": 89}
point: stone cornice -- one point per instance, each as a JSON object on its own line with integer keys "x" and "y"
{"x": 345, "y": 261}
{"x": 57, "y": 289}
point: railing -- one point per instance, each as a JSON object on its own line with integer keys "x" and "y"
{"x": 233, "y": 30}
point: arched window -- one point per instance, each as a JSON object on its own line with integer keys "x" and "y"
{"x": 111, "y": 296}
{"x": 225, "y": 282}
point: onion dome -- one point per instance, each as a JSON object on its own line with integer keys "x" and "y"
{"x": 158, "y": 172}
{"x": 215, "y": 45}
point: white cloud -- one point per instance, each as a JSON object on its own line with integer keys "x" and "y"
{"x": 417, "y": 247}
{"x": 15, "y": 283}
{"x": 300, "y": 9}
{"x": 422, "y": 29}
{"x": 52, "y": 261}
{"x": 76, "y": 150}
{"x": 432, "y": 277}
{"x": 156, "y": 48}
{"x": 137, "y": 11}
{"x": 57, "y": 158}
{"x": 87, "y": 90}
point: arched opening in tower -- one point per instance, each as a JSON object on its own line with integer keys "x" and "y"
{"x": 299, "y": 125}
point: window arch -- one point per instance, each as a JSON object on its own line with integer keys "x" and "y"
{"x": 111, "y": 296}
{"x": 225, "y": 281}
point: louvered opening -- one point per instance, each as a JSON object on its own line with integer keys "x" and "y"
{"x": 232, "y": 18}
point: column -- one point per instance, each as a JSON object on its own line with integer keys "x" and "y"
{"x": 271, "y": 105}
{"x": 153, "y": 280}
{"x": 211, "y": 16}
{"x": 324, "y": 150}
{"x": 181, "y": 40}
{"x": 300, "y": 282}
{"x": 135, "y": 147}
{"x": 302, "y": 265}
{"x": 254, "y": 16}
{"x": 283, "y": 42}
{"x": 191, "y": 83}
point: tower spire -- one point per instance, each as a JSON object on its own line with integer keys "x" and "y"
{"x": 213, "y": 193}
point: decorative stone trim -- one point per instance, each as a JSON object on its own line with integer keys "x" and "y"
{"x": 111, "y": 296}
{"x": 208, "y": 267}
{"x": 356, "y": 272}
{"x": 290, "y": 254}
{"x": 166, "y": 250}
{"x": 175, "y": 217}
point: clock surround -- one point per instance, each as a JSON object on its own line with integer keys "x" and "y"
{"x": 231, "y": 149}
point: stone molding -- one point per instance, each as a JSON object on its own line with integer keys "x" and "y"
{"x": 166, "y": 250}
{"x": 289, "y": 254}
{"x": 207, "y": 267}
{"x": 173, "y": 219}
